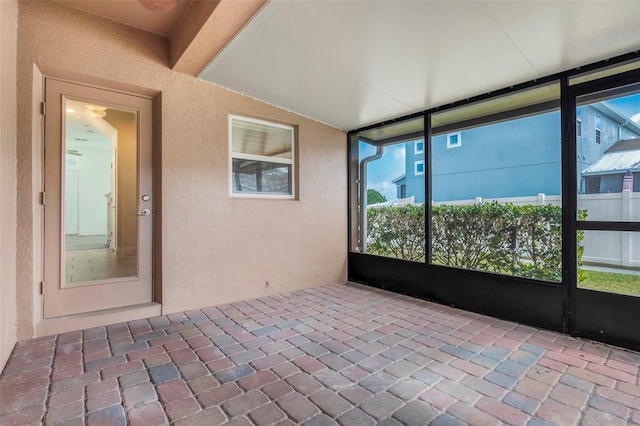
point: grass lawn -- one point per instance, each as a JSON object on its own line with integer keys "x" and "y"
{"x": 611, "y": 282}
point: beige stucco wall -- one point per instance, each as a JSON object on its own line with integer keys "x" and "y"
{"x": 216, "y": 249}
{"x": 8, "y": 35}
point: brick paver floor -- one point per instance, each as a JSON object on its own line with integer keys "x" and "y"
{"x": 339, "y": 354}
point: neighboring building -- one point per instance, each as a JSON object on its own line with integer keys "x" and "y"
{"x": 607, "y": 174}
{"x": 401, "y": 186}
{"x": 519, "y": 157}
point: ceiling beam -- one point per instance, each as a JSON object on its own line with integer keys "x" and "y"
{"x": 205, "y": 29}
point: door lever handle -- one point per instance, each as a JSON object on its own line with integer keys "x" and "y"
{"x": 143, "y": 212}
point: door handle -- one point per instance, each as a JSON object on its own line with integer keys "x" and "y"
{"x": 144, "y": 212}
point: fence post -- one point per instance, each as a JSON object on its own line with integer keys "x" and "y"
{"x": 541, "y": 199}
{"x": 626, "y": 236}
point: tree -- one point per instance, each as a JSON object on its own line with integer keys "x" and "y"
{"x": 374, "y": 197}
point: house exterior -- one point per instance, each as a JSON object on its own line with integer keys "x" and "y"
{"x": 467, "y": 164}
{"x": 205, "y": 237}
{"x": 618, "y": 168}
{"x": 210, "y": 247}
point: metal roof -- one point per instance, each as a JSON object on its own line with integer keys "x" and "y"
{"x": 622, "y": 156}
{"x": 398, "y": 179}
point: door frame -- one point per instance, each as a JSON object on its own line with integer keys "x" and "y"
{"x": 591, "y": 314}
{"x": 153, "y": 163}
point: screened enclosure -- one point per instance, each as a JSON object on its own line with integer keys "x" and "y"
{"x": 521, "y": 204}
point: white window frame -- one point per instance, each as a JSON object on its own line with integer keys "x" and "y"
{"x": 454, "y": 145}
{"x": 598, "y": 127}
{"x": 253, "y": 157}
{"x": 579, "y": 128}
{"x": 415, "y": 147}
{"x": 415, "y": 167}
{"x": 579, "y": 122}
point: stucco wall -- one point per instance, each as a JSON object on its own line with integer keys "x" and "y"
{"x": 8, "y": 34}
{"x": 215, "y": 249}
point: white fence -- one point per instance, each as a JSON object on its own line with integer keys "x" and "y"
{"x": 539, "y": 200}
{"x": 612, "y": 247}
{"x": 607, "y": 247}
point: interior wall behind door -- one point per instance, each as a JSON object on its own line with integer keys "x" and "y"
{"x": 125, "y": 124}
{"x": 71, "y": 206}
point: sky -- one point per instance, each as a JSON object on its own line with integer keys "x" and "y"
{"x": 381, "y": 172}
{"x": 628, "y": 105}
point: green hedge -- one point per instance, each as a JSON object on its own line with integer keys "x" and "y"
{"x": 516, "y": 240}
{"x": 396, "y": 231}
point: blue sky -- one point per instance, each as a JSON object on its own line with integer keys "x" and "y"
{"x": 381, "y": 172}
{"x": 628, "y": 105}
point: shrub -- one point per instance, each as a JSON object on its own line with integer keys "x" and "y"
{"x": 474, "y": 236}
{"x": 516, "y": 240}
{"x": 538, "y": 253}
{"x": 396, "y": 231}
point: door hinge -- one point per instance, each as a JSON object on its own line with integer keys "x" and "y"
{"x": 43, "y": 108}
{"x": 42, "y": 198}
{"x": 41, "y": 287}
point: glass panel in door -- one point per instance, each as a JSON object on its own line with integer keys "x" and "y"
{"x": 608, "y": 182}
{"x": 610, "y": 261}
{"x": 100, "y": 193}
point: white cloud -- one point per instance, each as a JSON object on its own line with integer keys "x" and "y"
{"x": 399, "y": 155}
{"x": 636, "y": 118}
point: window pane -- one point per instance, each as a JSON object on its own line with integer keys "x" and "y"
{"x": 99, "y": 193}
{"x": 609, "y": 261}
{"x": 254, "y": 138}
{"x": 387, "y": 187}
{"x": 497, "y": 197}
{"x": 395, "y": 226}
{"x": 608, "y": 160}
{"x": 261, "y": 177}
{"x": 453, "y": 140}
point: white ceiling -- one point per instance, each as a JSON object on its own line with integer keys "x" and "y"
{"x": 84, "y": 130}
{"x": 354, "y": 63}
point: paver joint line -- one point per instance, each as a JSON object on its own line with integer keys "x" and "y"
{"x": 337, "y": 354}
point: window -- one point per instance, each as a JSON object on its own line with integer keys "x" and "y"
{"x": 261, "y": 158}
{"x": 492, "y": 201}
{"x": 454, "y": 140}
{"x": 419, "y": 147}
{"x": 381, "y": 159}
{"x": 578, "y": 122}
{"x": 598, "y": 129}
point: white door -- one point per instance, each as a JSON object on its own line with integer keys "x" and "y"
{"x": 87, "y": 275}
